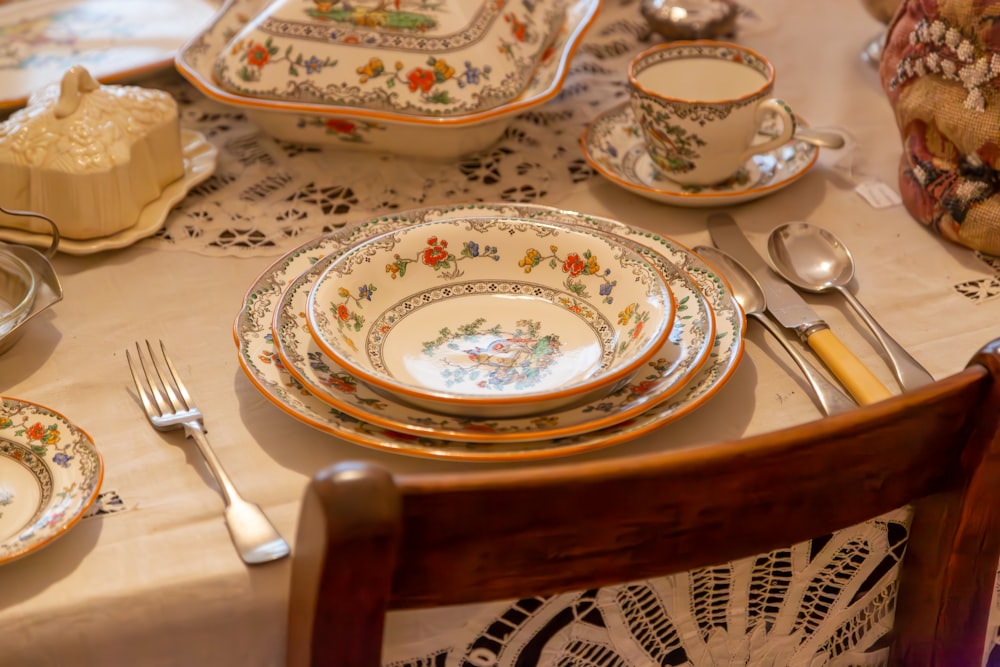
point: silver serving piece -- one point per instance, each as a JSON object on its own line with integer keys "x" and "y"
{"x": 45, "y": 284}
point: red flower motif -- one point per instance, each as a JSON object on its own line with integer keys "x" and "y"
{"x": 340, "y": 385}
{"x": 637, "y": 330}
{"x": 436, "y": 252}
{"x": 421, "y": 78}
{"x": 340, "y": 125}
{"x": 642, "y": 387}
{"x": 36, "y": 431}
{"x": 573, "y": 265}
{"x": 258, "y": 55}
{"x": 342, "y": 312}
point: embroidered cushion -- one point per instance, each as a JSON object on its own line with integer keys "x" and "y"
{"x": 941, "y": 70}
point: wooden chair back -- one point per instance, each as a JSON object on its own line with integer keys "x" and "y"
{"x": 369, "y": 542}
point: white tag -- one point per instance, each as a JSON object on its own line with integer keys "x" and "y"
{"x": 878, "y": 194}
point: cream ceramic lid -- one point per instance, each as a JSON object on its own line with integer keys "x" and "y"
{"x": 410, "y": 57}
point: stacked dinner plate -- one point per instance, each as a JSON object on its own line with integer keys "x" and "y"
{"x": 317, "y": 333}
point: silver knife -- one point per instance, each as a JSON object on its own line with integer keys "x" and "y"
{"x": 791, "y": 310}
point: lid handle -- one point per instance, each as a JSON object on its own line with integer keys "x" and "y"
{"x": 75, "y": 82}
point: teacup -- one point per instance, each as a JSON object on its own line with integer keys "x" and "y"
{"x": 701, "y": 104}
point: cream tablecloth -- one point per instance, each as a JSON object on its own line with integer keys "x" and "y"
{"x": 158, "y": 582}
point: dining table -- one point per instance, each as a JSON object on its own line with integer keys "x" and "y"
{"x": 150, "y": 577}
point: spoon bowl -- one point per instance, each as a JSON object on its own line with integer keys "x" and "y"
{"x": 750, "y": 295}
{"x": 815, "y": 260}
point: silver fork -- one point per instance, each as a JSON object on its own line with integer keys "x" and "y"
{"x": 170, "y": 408}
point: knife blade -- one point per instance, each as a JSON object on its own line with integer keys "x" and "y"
{"x": 791, "y": 310}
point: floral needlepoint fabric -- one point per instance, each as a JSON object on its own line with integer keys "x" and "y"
{"x": 941, "y": 70}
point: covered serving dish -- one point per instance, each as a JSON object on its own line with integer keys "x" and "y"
{"x": 88, "y": 156}
{"x": 413, "y": 57}
{"x": 432, "y": 79}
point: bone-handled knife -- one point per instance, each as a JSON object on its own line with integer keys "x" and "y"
{"x": 791, "y": 310}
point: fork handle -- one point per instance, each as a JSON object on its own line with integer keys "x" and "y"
{"x": 255, "y": 537}
{"x": 196, "y": 432}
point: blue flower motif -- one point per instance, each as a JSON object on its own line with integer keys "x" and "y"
{"x": 313, "y": 65}
{"x": 365, "y": 292}
{"x": 606, "y": 288}
{"x": 62, "y": 459}
{"x": 474, "y": 249}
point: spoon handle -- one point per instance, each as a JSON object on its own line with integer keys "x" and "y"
{"x": 908, "y": 370}
{"x": 854, "y": 375}
{"x": 830, "y": 398}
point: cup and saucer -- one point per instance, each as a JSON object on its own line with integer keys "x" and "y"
{"x": 701, "y": 128}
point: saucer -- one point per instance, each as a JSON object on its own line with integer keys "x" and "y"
{"x": 613, "y": 145}
{"x": 199, "y": 163}
{"x": 50, "y": 473}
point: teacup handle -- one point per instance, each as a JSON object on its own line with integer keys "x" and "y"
{"x": 784, "y": 112}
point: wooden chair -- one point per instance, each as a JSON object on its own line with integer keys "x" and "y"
{"x": 369, "y": 542}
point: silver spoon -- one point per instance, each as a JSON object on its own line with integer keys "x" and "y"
{"x": 819, "y": 137}
{"x": 751, "y": 298}
{"x": 813, "y": 259}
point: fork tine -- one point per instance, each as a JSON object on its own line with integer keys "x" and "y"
{"x": 140, "y": 386}
{"x": 153, "y": 379}
{"x": 165, "y": 380}
{"x": 176, "y": 377}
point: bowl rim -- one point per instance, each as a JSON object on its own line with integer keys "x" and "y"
{"x": 587, "y": 10}
{"x": 20, "y": 310}
{"x": 609, "y": 379}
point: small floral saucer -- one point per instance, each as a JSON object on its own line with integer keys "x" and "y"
{"x": 613, "y": 145}
{"x": 50, "y": 473}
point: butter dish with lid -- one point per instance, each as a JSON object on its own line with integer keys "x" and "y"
{"x": 89, "y": 156}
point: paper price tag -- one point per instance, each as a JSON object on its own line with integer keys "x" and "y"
{"x": 878, "y": 194}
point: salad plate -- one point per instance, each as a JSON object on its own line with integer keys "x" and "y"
{"x": 200, "y": 158}
{"x": 50, "y": 474}
{"x": 676, "y": 361}
{"x": 264, "y": 368}
{"x": 115, "y": 40}
{"x": 491, "y": 317}
{"x": 614, "y": 146}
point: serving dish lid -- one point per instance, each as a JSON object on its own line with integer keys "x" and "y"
{"x": 409, "y": 57}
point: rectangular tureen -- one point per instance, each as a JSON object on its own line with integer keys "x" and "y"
{"x": 433, "y": 78}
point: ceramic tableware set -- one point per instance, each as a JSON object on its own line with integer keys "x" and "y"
{"x": 489, "y": 332}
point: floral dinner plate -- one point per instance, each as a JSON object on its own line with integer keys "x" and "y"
{"x": 614, "y": 146}
{"x": 265, "y": 369}
{"x": 50, "y": 474}
{"x": 113, "y": 39}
